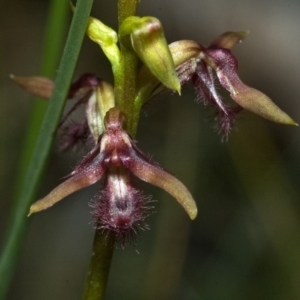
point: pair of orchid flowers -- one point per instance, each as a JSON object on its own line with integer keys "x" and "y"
{"x": 120, "y": 207}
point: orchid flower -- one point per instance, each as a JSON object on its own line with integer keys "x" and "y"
{"x": 121, "y": 208}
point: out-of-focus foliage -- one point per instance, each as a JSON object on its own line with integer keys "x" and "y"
{"x": 244, "y": 243}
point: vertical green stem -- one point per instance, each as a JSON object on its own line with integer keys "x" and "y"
{"x": 97, "y": 276}
{"x": 125, "y": 88}
{"x": 125, "y": 81}
{"x": 126, "y": 8}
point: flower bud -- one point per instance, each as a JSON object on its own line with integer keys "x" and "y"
{"x": 185, "y": 54}
{"x": 106, "y": 38}
{"x": 148, "y": 41}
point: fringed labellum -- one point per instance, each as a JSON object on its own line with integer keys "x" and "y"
{"x": 120, "y": 207}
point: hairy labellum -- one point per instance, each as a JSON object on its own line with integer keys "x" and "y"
{"x": 120, "y": 209}
{"x": 204, "y": 82}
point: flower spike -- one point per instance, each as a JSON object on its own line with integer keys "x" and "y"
{"x": 119, "y": 208}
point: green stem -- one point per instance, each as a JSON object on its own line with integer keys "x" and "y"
{"x": 125, "y": 82}
{"x": 97, "y": 276}
{"x": 29, "y": 186}
{"x": 125, "y": 88}
{"x": 126, "y": 8}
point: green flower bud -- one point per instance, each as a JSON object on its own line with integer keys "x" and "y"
{"x": 183, "y": 51}
{"x": 106, "y": 38}
{"x": 145, "y": 35}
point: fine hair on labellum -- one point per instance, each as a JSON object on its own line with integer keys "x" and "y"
{"x": 123, "y": 216}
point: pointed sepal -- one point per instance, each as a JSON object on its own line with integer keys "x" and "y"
{"x": 82, "y": 177}
{"x": 229, "y": 39}
{"x": 226, "y": 68}
{"x": 36, "y": 85}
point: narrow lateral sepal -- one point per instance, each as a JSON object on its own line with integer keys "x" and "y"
{"x": 226, "y": 68}
{"x": 82, "y": 178}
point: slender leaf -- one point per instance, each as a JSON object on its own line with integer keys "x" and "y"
{"x": 41, "y": 151}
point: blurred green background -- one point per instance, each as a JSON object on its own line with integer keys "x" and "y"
{"x": 245, "y": 242}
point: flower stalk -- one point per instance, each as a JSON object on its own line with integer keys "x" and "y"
{"x": 97, "y": 276}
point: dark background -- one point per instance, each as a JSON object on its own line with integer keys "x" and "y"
{"x": 245, "y": 241}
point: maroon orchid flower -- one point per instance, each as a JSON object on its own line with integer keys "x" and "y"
{"x": 115, "y": 159}
{"x": 217, "y": 63}
{"x": 209, "y": 67}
